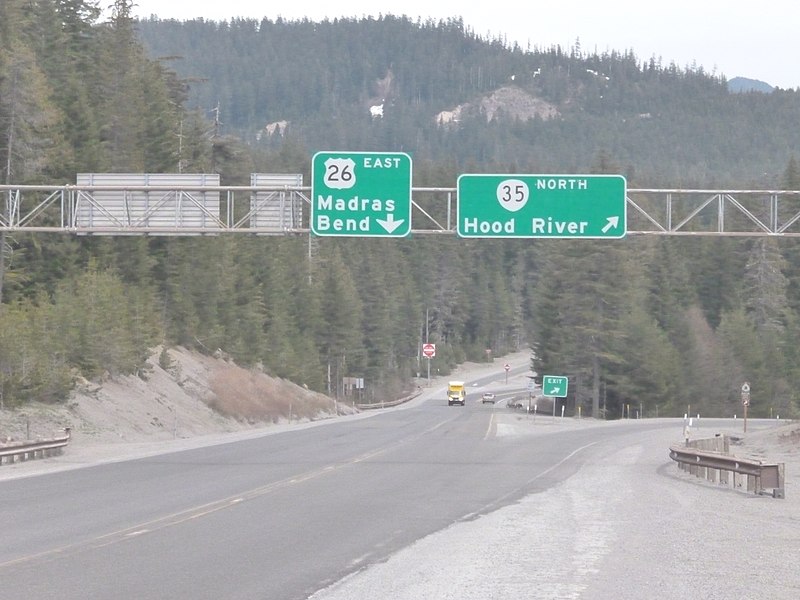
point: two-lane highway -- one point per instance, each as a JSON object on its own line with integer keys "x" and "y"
{"x": 280, "y": 516}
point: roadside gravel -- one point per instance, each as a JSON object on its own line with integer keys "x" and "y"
{"x": 627, "y": 526}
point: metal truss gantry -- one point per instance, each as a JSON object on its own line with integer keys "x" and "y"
{"x": 180, "y": 210}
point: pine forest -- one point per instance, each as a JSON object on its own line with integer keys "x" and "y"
{"x": 656, "y": 322}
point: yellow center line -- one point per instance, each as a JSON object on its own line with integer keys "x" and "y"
{"x": 203, "y": 510}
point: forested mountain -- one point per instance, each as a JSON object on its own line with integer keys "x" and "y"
{"x": 657, "y": 323}
{"x": 664, "y": 125}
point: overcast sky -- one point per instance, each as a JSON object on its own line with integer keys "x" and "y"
{"x": 758, "y": 40}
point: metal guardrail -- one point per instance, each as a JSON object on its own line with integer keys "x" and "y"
{"x": 21, "y": 451}
{"x": 387, "y": 404}
{"x": 715, "y": 466}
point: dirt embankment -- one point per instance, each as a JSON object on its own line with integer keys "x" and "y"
{"x": 194, "y": 395}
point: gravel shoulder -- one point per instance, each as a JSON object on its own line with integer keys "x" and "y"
{"x": 628, "y": 525}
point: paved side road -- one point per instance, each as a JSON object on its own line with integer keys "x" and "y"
{"x": 627, "y": 526}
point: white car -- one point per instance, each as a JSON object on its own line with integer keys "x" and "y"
{"x": 487, "y": 397}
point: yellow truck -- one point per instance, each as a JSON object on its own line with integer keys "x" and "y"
{"x": 456, "y": 393}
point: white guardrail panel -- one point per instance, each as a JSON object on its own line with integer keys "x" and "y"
{"x": 19, "y": 451}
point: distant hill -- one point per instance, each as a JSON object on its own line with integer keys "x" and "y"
{"x": 743, "y": 84}
{"x": 450, "y": 97}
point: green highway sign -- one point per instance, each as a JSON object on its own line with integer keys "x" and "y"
{"x": 361, "y": 194}
{"x": 541, "y": 206}
{"x": 555, "y": 386}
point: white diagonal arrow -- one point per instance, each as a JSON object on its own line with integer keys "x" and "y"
{"x": 611, "y": 222}
{"x": 389, "y": 224}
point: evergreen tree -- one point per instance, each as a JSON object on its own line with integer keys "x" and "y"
{"x": 138, "y": 117}
{"x": 764, "y": 290}
{"x": 748, "y": 357}
{"x": 28, "y": 136}
{"x": 766, "y": 306}
{"x": 791, "y": 176}
{"x": 179, "y": 311}
{"x": 340, "y": 338}
{"x": 65, "y": 40}
{"x": 370, "y": 273}
{"x": 33, "y": 365}
{"x": 101, "y": 325}
{"x": 715, "y": 268}
{"x": 649, "y": 370}
{"x": 27, "y": 117}
{"x": 594, "y": 283}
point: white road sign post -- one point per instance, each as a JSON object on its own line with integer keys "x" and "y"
{"x": 555, "y": 386}
{"x": 429, "y": 351}
{"x": 745, "y": 401}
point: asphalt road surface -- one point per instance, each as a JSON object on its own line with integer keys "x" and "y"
{"x": 425, "y": 501}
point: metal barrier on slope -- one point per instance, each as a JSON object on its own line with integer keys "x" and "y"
{"x": 21, "y": 451}
{"x": 387, "y": 403}
{"x": 714, "y": 465}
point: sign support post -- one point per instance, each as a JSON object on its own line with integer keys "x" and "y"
{"x": 555, "y": 386}
{"x": 429, "y": 351}
{"x": 745, "y": 401}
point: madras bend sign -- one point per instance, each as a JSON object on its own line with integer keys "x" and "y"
{"x": 361, "y": 194}
{"x": 546, "y": 206}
